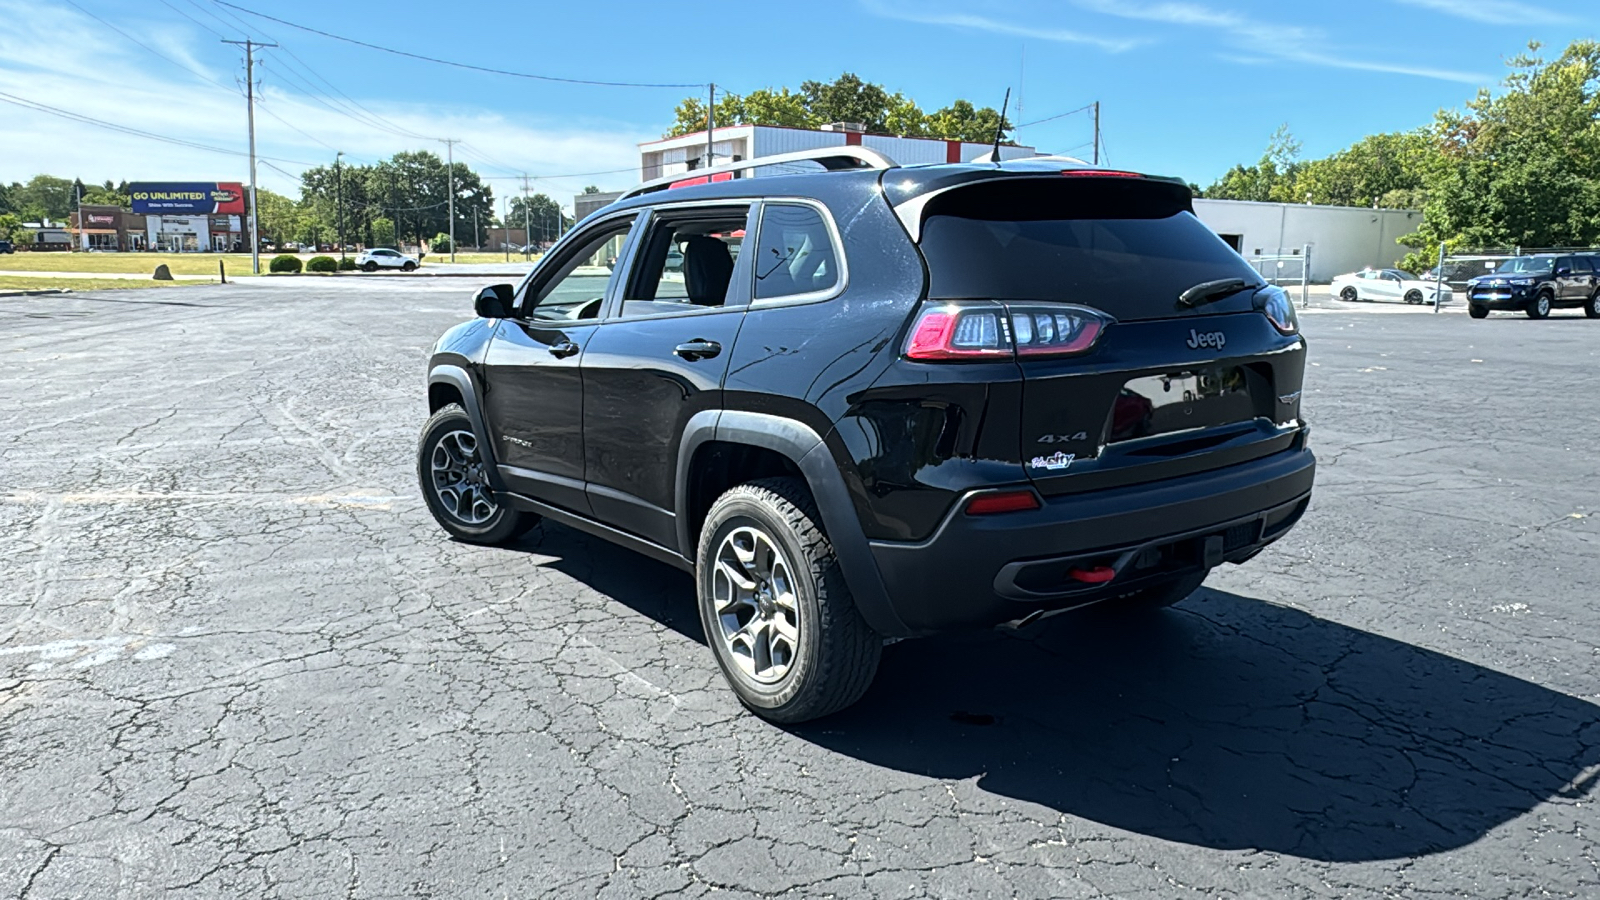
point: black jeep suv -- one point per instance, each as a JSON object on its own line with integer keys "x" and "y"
{"x": 881, "y": 402}
{"x": 1537, "y": 284}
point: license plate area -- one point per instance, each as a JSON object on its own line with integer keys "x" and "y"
{"x": 1180, "y": 401}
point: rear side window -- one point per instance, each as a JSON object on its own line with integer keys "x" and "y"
{"x": 1128, "y": 247}
{"x": 796, "y": 253}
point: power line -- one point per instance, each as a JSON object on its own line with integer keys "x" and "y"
{"x": 90, "y": 120}
{"x": 1070, "y": 112}
{"x": 447, "y": 62}
{"x": 193, "y": 19}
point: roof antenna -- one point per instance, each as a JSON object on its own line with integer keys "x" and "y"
{"x": 1000, "y": 128}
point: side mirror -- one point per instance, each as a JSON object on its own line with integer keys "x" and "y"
{"x": 495, "y": 301}
{"x": 1563, "y": 271}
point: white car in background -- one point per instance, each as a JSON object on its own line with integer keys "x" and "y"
{"x": 384, "y": 258}
{"x": 1389, "y": 284}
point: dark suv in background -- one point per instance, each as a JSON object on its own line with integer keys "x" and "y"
{"x": 1537, "y": 284}
{"x": 881, "y": 402}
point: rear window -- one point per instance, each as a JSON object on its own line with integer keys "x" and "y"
{"x": 1128, "y": 247}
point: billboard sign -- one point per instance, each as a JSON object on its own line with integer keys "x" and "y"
{"x": 187, "y": 197}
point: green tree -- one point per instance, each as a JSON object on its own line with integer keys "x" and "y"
{"x": 10, "y": 224}
{"x": 1384, "y": 170}
{"x": 382, "y": 232}
{"x": 784, "y": 107}
{"x": 1271, "y": 179}
{"x": 1520, "y": 167}
{"x": 544, "y": 218}
{"x": 848, "y": 99}
{"x": 905, "y": 118}
{"x": 960, "y": 121}
{"x": 280, "y": 218}
{"x": 108, "y": 194}
{"x": 46, "y": 196}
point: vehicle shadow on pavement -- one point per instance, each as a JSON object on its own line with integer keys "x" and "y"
{"x": 1228, "y": 723}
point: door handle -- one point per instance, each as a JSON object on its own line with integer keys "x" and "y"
{"x": 564, "y": 349}
{"x": 698, "y": 348}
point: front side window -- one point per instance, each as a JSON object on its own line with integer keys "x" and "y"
{"x": 686, "y": 261}
{"x": 576, "y": 287}
{"x": 796, "y": 253}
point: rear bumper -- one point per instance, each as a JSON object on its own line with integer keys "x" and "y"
{"x": 978, "y": 571}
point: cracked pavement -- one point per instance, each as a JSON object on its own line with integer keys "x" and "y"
{"x": 237, "y": 659}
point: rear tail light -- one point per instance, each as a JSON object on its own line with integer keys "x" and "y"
{"x": 1099, "y": 173}
{"x": 990, "y": 330}
{"x": 1002, "y": 502}
{"x": 1274, "y": 302}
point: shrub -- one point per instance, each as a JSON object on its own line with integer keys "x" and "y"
{"x": 440, "y": 243}
{"x": 348, "y": 264}
{"x": 284, "y": 263}
{"x": 322, "y": 264}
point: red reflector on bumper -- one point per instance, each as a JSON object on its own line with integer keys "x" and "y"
{"x": 1010, "y": 501}
{"x": 1096, "y": 575}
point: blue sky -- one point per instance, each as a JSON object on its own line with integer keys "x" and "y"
{"x": 1188, "y": 88}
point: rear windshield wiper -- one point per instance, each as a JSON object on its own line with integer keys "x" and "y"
{"x": 1207, "y": 291}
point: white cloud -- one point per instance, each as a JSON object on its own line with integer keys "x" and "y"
{"x": 109, "y": 79}
{"x": 975, "y": 22}
{"x": 1276, "y": 41}
{"x": 1494, "y": 12}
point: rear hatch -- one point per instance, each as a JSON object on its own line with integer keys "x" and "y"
{"x": 1169, "y": 387}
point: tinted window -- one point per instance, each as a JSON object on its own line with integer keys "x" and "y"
{"x": 796, "y": 252}
{"x": 575, "y": 286}
{"x": 1526, "y": 265}
{"x": 1582, "y": 265}
{"x": 686, "y": 261}
{"x": 1127, "y": 247}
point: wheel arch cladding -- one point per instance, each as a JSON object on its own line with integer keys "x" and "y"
{"x": 447, "y": 380}
{"x": 804, "y": 450}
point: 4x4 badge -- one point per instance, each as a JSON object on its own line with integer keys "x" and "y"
{"x": 1053, "y": 461}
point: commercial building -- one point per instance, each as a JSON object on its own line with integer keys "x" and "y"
{"x": 192, "y": 216}
{"x": 1341, "y": 238}
{"x": 733, "y": 143}
{"x": 108, "y": 228}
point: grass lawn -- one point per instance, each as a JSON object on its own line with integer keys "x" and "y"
{"x": 437, "y": 258}
{"x": 143, "y": 263}
{"x": 45, "y": 282}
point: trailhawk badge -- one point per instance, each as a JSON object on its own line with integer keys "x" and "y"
{"x": 1053, "y": 461}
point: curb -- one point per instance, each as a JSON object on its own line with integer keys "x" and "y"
{"x": 39, "y": 293}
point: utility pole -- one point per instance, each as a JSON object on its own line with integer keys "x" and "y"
{"x": 711, "y": 124}
{"x": 83, "y": 236}
{"x": 250, "y": 106}
{"x": 338, "y": 176}
{"x": 450, "y": 155}
{"x": 477, "y": 242}
{"x": 527, "y": 221}
{"x": 505, "y": 230}
{"x": 1097, "y": 132}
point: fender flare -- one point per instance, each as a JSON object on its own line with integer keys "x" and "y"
{"x": 806, "y": 449}
{"x": 458, "y": 378}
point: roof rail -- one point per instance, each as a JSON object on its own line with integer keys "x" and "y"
{"x": 850, "y": 156}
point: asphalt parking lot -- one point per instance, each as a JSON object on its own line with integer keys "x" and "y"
{"x": 237, "y": 659}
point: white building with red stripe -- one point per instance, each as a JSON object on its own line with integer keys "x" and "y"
{"x": 733, "y": 143}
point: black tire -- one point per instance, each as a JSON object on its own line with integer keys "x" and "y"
{"x": 1161, "y": 596}
{"x": 1540, "y": 306}
{"x": 501, "y": 525}
{"x": 835, "y": 654}
{"x": 408, "y": 267}
{"x": 1477, "y": 312}
{"x": 1592, "y": 308}
{"x": 1414, "y": 298}
{"x": 1349, "y": 295}
{"x": 369, "y": 266}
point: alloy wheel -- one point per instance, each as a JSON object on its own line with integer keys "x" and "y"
{"x": 459, "y": 480}
{"x": 1544, "y": 306}
{"x": 757, "y": 609}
